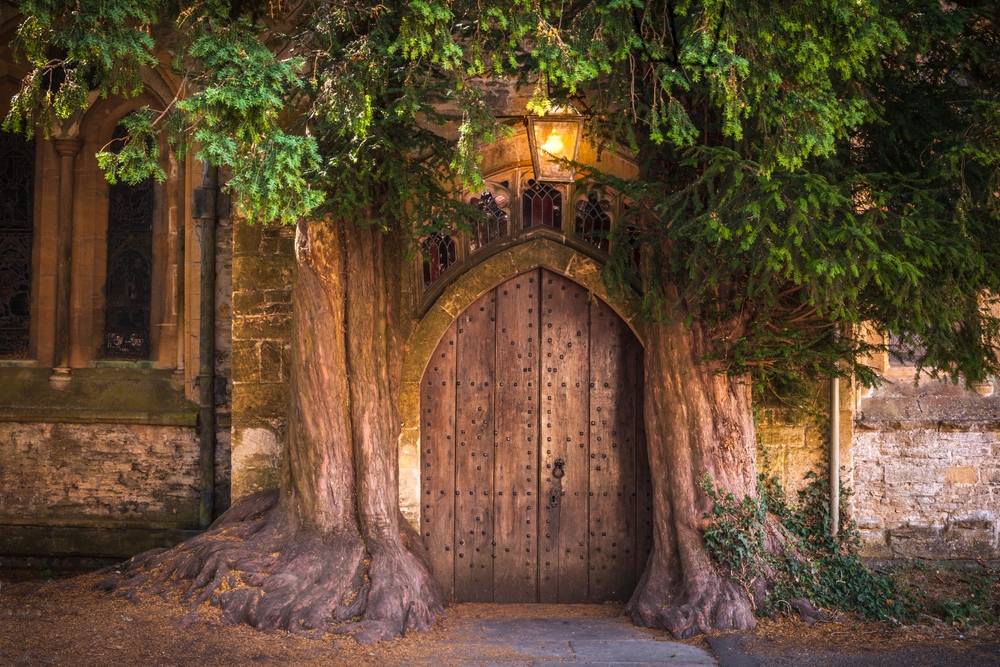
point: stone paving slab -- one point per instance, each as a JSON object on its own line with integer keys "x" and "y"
{"x": 538, "y": 650}
{"x": 559, "y": 629}
{"x": 562, "y": 642}
{"x": 650, "y": 651}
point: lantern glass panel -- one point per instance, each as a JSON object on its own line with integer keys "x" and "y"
{"x": 553, "y": 140}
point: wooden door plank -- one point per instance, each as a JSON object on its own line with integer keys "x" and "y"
{"x": 437, "y": 453}
{"x": 612, "y": 455}
{"x": 516, "y": 462}
{"x": 476, "y": 343}
{"x": 644, "y": 481}
{"x": 564, "y": 401}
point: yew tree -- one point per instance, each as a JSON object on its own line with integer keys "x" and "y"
{"x": 809, "y": 169}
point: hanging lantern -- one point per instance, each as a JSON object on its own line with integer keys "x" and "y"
{"x": 553, "y": 137}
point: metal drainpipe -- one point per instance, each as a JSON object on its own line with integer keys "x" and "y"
{"x": 834, "y": 456}
{"x": 205, "y": 199}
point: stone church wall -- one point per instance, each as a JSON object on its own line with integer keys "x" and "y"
{"x": 263, "y": 262}
{"x": 112, "y": 471}
{"x": 927, "y": 471}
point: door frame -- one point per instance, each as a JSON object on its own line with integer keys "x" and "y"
{"x": 464, "y": 291}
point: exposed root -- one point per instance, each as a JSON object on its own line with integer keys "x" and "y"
{"x": 257, "y": 569}
{"x": 694, "y": 606}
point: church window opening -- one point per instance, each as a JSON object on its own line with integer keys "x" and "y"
{"x": 904, "y": 352}
{"x": 439, "y": 253}
{"x": 494, "y": 224}
{"x": 17, "y": 196}
{"x": 130, "y": 263}
{"x": 593, "y": 224}
{"x": 541, "y": 205}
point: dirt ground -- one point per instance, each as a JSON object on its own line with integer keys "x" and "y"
{"x": 65, "y": 622}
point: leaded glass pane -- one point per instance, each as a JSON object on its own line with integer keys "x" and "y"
{"x": 17, "y": 197}
{"x": 439, "y": 254}
{"x": 904, "y": 354}
{"x": 541, "y": 204}
{"x": 593, "y": 224}
{"x": 130, "y": 268}
{"x": 494, "y": 225}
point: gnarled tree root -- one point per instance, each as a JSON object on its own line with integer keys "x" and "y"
{"x": 687, "y": 608}
{"x": 260, "y": 570}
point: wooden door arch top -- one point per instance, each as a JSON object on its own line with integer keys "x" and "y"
{"x": 534, "y": 480}
{"x": 484, "y": 276}
{"x": 478, "y": 279}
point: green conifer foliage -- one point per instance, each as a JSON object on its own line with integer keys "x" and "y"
{"x": 804, "y": 164}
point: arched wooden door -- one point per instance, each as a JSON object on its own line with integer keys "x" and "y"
{"x": 535, "y": 479}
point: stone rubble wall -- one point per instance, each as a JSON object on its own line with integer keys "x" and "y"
{"x": 113, "y": 472}
{"x": 93, "y": 494}
{"x": 927, "y": 472}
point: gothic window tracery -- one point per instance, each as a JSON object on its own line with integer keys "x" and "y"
{"x": 541, "y": 205}
{"x": 130, "y": 262}
{"x": 439, "y": 253}
{"x": 496, "y": 223}
{"x": 17, "y": 195}
{"x": 593, "y": 224}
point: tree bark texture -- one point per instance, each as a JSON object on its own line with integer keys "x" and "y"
{"x": 330, "y": 551}
{"x": 698, "y": 422}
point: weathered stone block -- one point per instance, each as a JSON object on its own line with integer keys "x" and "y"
{"x": 246, "y": 361}
{"x": 273, "y": 361}
{"x": 256, "y": 460}
{"x": 262, "y": 272}
{"x": 963, "y": 475}
{"x": 282, "y": 245}
{"x": 260, "y": 401}
{"x": 262, "y": 327}
{"x": 250, "y": 302}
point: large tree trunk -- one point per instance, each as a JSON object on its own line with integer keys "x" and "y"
{"x": 698, "y": 422}
{"x": 330, "y": 551}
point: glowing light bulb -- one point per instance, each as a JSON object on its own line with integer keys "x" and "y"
{"x": 553, "y": 144}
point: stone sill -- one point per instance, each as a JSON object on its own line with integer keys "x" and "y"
{"x": 67, "y": 416}
{"x": 111, "y": 363}
{"x": 18, "y": 363}
{"x": 119, "y": 395}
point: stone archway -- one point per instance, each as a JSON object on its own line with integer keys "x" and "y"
{"x": 534, "y": 475}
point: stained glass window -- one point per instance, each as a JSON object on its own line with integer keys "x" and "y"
{"x": 17, "y": 198}
{"x": 593, "y": 224}
{"x": 541, "y": 204}
{"x": 130, "y": 266}
{"x": 495, "y": 224}
{"x": 439, "y": 254}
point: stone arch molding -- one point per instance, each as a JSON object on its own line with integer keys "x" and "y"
{"x": 463, "y": 292}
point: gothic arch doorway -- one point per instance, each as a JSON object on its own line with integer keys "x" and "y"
{"x": 534, "y": 474}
